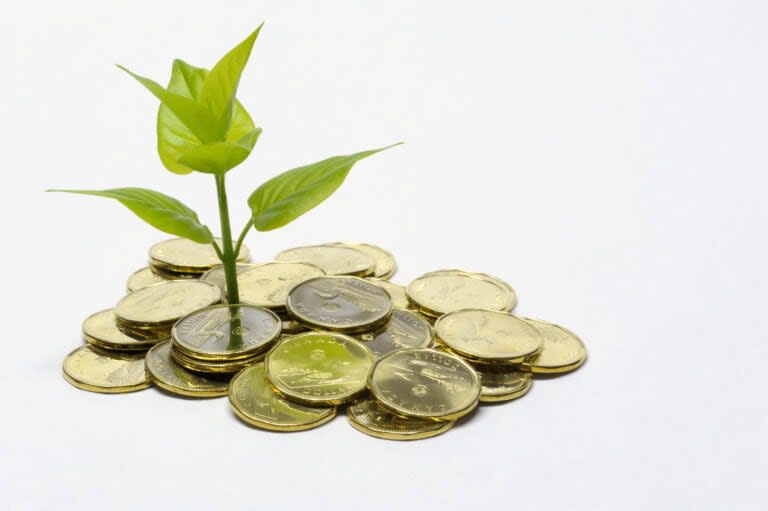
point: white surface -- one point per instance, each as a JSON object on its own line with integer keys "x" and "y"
{"x": 606, "y": 158}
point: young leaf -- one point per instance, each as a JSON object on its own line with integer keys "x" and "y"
{"x": 286, "y": 197}
{"x": 220, "y": 157}
{"x": 220, "y": 86}
{"x": 158, "y": 210}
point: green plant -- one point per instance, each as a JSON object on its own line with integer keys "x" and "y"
{"x": 202, "y": 127}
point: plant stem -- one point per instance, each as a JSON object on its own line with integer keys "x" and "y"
{"x": 229, "y": 261}
{"x": 242, "y": 236}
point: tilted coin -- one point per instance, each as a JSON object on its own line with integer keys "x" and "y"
{"x": 319, "y": 368}
{"x": 333, "y": 260}
{"x": 110, "y": 372}
{"x": 226, "y": 332}
{"x": 254, "y": 401}
{"x": 291, "y": 326}
{"x": 267, "y": 285}
{"x": 165, "y": 302}
{"x": 444, "y": 291}
{"x": 425, "y": 383}
{"x": 502, "y": 383}
{"x": 218, "y": 367}
{"x": 342, "y": 304}
{"x": 186, "y": 256}
{"x": 561, "y": 352}
{"x": 488, "y": 335}
{"x": 386, "y": 265}
{"x": 143, "y": 278}
{"x": 405, "y": 329}
{"x": 216, "y": 275}
{"x": 371, "y": 418}
{"x": 101, "y": 330}
{"x": 396, "y": 292}
{"x": 170, "y": 376}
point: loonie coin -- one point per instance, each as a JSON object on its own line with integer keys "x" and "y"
{"x": 386, "y": 265}
{"x": 101, "y": 330}
{"x": 425, "y": 383}
{"x": 169, "y": 376}
{"x": 143, "y": 278}
{"x": 404, "y": 330}
{"x": 333, "y": 260}
{"x": 267, "y": 285}
{"x": 110, "y": 372}
{"x": 371, "y": 418}
{"x": 562, "y": 350}
{"x": 216, "y": 275}
{"x": 396, "y": 292}
{"x": 254, "y": 401}
{"x": 488, "y": 335}
{"x": 213, "y": 366}
{"x": 502, "y": 383}
{"x": 319, "y": 368}
{"x": 443, "y": 291}
{"x": 342, "y": 304}
{"x": 291, "y": 326}
{"x": 185, "y": 256}
{"x": 164, "y": 303}
{"x": 226, "y": 332}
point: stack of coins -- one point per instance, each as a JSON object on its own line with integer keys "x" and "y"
{"x": 319, "y": 330}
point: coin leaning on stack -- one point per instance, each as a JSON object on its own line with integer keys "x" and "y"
{"x": 319, "y": 329}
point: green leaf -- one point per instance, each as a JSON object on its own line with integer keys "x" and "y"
{"x": 220, "y": 86}
{"x": 194, "y": 116}
{"x": 158, "y": 210}
{"x": 173, "y": 137}
{"x": 286, "y": 197}
{"x": 220, "y": 157}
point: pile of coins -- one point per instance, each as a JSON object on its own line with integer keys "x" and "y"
{"x": 320, "y": 328}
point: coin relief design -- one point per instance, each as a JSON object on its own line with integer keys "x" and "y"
{"x": 404, "y": 330}
{"x": 173, "y": 378}
{"x": 101, "y": 329}
{"x": 488, "y": 335}
{"x": 562, "y": 350}
{"x": 396, "y": 292}
{"x": 385, "y": 263}
{"x": 345, "y": 304}
{"x": 446, "y": 291}
{"x": 333, "y": 260}
{"x": 91, "y": 368}
{"x": 425, "y": 383}
{"x": 183, "y": 255}
{"x": 167, "y": 301}
{"x": 371, "y": 418}
{"x": 268, "y": 284}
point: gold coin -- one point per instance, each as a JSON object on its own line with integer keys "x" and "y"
{"x": 371, "y": 418}
{"x": 254, "y": 401}
{"x": 267, "y": 285}
{"x": 404, "y": 330}
{"x": 561, "y": 352}
{"x": 213, "y": 366}
{"x": 488, "y": 335}
{"x": 226, "y": 332}
{"x": 143, "y": 278}
{"x": 319, "y": 368}
{"x": 333, "y": 260}
{"x": 169, "y": 274}
{"x": 216, "y": 275}
{"x": 165, "y": 302}
{"x": 101, "y": 330}
{"x": 386, "y": 265}
{"x": 185, "y": 256}
{"x": 110, "y": 372}
{"x": 341, "y": 304}
{"x": 425, "y": 383}
{"x": 443, "y": 291}
{"x": 502, "y": 383}
{"x": 291, "y": 326}
{"x": 396, "y": 292}
{"x": 169, "y": 376}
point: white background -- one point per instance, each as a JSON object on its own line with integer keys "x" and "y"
{"x": 608, "y": 159}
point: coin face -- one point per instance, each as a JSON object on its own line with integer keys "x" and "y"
{"x": 166, "y": 302}
{"x": 267, "y": 285}
{"x": 319, "y": 368}
{"x": 425, "y": 383}
{"x": 386, "y": 265}
{"x": 170, "y": 376}
{"x": 143, "y": 278}
{"x": 488, "y": 335}
{"x": 343, "y": 304}
{"x": 216, "y": 275}
{"x": 333, "y": 260}
{"x": 404, "y": 330}
{"x": 226, "y": 332}
{"x": 101, "y": 330}
{"x": 371, "y": 418}
{"x": 444, "y": 291}
{"x": 501, "y": 382}
{"x": 186, "y": 256}
{"x": 254, "y": 401}
{"x": 562, "y": 350}
{"x": 110, "y": 372}
{"x": 396, "y": 292}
